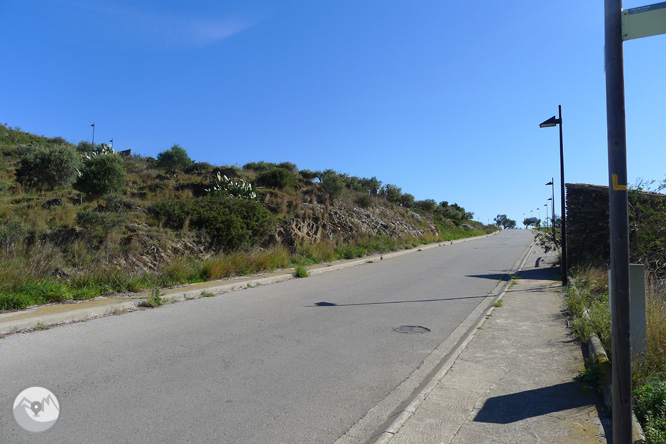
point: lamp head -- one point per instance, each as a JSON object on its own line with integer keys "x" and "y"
{"x": 550, "y": 122}
{"x": 549, "y": 183}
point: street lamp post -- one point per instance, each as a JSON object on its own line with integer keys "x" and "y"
{"x": 93, "y": 139}
{"x": 552, "y": 221}
{"x": 539, "y": 216}
{"x": 546, "y": 205}
{"x": 553, "y": 121}
{"x": 552, "y": 189}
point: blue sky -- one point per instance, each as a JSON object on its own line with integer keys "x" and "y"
{"x": 440, "y": 98}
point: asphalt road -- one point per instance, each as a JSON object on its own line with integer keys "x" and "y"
{"x": 299, "y": 361}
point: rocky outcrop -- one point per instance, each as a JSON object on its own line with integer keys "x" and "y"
{"x": 317, "y": 223}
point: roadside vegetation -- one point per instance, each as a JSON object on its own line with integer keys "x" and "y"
{"x": 587, "y": 301}
{"x": 588, "y": 304}
{"x": 81, "y": 221}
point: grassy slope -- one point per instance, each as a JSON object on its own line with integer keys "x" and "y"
{"x": 85, "y": 248}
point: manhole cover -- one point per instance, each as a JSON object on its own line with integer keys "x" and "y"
{"x": 411, "y": 329}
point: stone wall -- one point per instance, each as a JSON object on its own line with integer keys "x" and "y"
{"x": 588, "y": 232}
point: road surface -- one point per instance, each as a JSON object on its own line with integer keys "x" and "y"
{"x": 301, "y": 361}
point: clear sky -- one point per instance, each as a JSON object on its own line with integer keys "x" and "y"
{"x": 443, "y": 99}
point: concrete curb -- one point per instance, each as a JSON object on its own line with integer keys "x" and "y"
{"x": 385, "y": 436}
{"x": 44, "y": 316}
{"x": 596, "y": 353}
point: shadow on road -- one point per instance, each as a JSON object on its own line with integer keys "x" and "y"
{"x": 331, "y": 304}
{"x": 491, "y": 276}
{"x": 531, "y": 403}
{"x": 541, "y": 274}
{"x": 534, "y": 274}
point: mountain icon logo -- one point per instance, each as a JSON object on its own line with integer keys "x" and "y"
{"x": 36, "y": 409}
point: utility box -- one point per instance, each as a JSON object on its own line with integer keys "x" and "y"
{"x": 638, "y": 315}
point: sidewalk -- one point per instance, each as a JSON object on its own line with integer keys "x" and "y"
{"x": 513, "y": 383}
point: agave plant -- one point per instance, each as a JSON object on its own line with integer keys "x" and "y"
{"x": 232, "y": 187}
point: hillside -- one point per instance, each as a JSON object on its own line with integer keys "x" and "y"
{"x": 78, "y": 222}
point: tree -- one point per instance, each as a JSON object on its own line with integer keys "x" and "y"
{"x": 102, "y": 174}
{"x": 527, "y": 222}
{"x": 371, "y": 185}
{"x": 428, "y": 205}
{"x": 391, "y": 192}
{"x": 332, "y": 184}
{"x": 309, "y": 175}
{"x": 453, "y": 211}
{"x": 407, "y": 200}
{"x": 288, "y": 166}
{"x": 175, "y": 158}
{"x": 500, "y": 220}
{"x": 48, "y": 166}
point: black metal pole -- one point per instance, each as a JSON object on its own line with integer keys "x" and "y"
{"x": 619, "y": 223}
{"x": 93, "y": 139}
{"x": 565, "y": 270}
{"x": 552, "y": 189}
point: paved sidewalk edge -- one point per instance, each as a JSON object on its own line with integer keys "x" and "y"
{"x": 383, "y": 437}
{"x": 596, "y": 353}
{"x": 25, "y": 320}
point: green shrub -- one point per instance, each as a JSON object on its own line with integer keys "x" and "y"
{"x": 364, "y": 200}
{"x": 301, "y": 272}
{"x": 47, "y": 166}
{"x": 349, "y": 251}
{"x": 102, "y": 174}
{"x": 427, "y": 205}
{"x": 175, "y": 158}
{"x": 87, "y": 149}
{"x": 407, "y": 200}
{"x": 650, "y": 407}
{"x": 259, "y": 166}
{"x": 372, "y": 185}
{"x": 278, "y": 178}
{"x": 199, "y": 168}
{"x": 332, "y": 184}
{"x": 391, "y": 192}
{"x": 309, "y": 175}
{"x": 12, "y": 232}
{"x": 230, "y": 223}
{"x": 96, "y": 223}
{"x": 292, "y": 168}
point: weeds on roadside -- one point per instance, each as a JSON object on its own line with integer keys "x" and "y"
{"x": 301, "y": 272}
{"x": 587, "y": 301}
{"x": 650, "y": 408}
{"x": 591, "y": 375}
{"x": 154, "y": 300}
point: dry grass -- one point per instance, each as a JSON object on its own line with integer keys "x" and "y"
{"x": 245, "y": 262}
{"x": 654, "y": 364}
